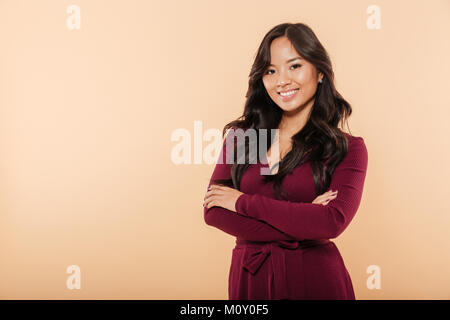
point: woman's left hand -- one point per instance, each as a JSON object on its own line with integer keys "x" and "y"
{"x": 221, "y": 196}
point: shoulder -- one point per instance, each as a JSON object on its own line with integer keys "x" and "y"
{"x": 354, "y": 141}
{"x": 357, "y": 149}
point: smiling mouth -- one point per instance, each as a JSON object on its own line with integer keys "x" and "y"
{"x": 288, "y": 94}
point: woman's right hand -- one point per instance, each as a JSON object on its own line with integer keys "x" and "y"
{"x": 326, "y": 197}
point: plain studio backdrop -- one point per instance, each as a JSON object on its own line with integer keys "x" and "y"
{"x": 92, "y": 91}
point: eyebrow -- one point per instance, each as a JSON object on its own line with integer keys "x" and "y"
{"x": 288, "y": 60}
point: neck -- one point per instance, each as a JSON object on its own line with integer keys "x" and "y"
{"x": 294, "y": 121}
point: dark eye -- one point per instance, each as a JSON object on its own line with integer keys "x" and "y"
{"x": 267, "y": 72}
{"x": 298, "y": 65}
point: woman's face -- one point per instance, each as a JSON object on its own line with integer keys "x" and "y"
{"x": 290, "y": 81}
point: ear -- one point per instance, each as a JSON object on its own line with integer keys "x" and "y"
{"x": 320, "y": 76}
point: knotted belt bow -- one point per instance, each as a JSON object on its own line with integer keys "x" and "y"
{"x": 253, "y": 262}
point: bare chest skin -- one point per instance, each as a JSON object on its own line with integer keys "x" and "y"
{"x": 284, "y": 146}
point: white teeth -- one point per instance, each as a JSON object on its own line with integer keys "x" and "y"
{"x": 288, "y": 93}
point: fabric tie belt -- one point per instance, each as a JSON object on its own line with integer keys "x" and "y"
{"x": 252, "y": 262}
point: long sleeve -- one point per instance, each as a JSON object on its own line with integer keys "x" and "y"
{"x": 233, "y": 223}
{"x": 316, "y": 221}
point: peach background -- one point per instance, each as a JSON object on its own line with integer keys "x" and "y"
{"x": 86, "y": 117}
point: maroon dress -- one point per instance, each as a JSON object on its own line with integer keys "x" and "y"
{"x": 283, "y": 248}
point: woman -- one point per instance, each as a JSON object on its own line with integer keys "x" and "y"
{"x": 283, "y": 222}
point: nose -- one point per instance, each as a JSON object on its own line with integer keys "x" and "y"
{"x": 283, "y": 79}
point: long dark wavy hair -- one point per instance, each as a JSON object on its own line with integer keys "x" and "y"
{"x": 320, "y": 141}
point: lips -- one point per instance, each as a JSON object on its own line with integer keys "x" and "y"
{"x": 290, "y": 96}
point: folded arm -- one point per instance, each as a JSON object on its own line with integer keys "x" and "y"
{"x": 316, "y": 221}
{"x": 233, "y": 223}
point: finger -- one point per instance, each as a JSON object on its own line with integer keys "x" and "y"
{"x": 221, "y": 186}
{"x": 211, "y": 204}
{"x": 331, "y": 195}
{"x": 323, "y": 197}
{"x": 212, "y": 201}
{"x": 328, "y": 193}
{"x": 207, "y": 202}
{"x": 209, "y": 193}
